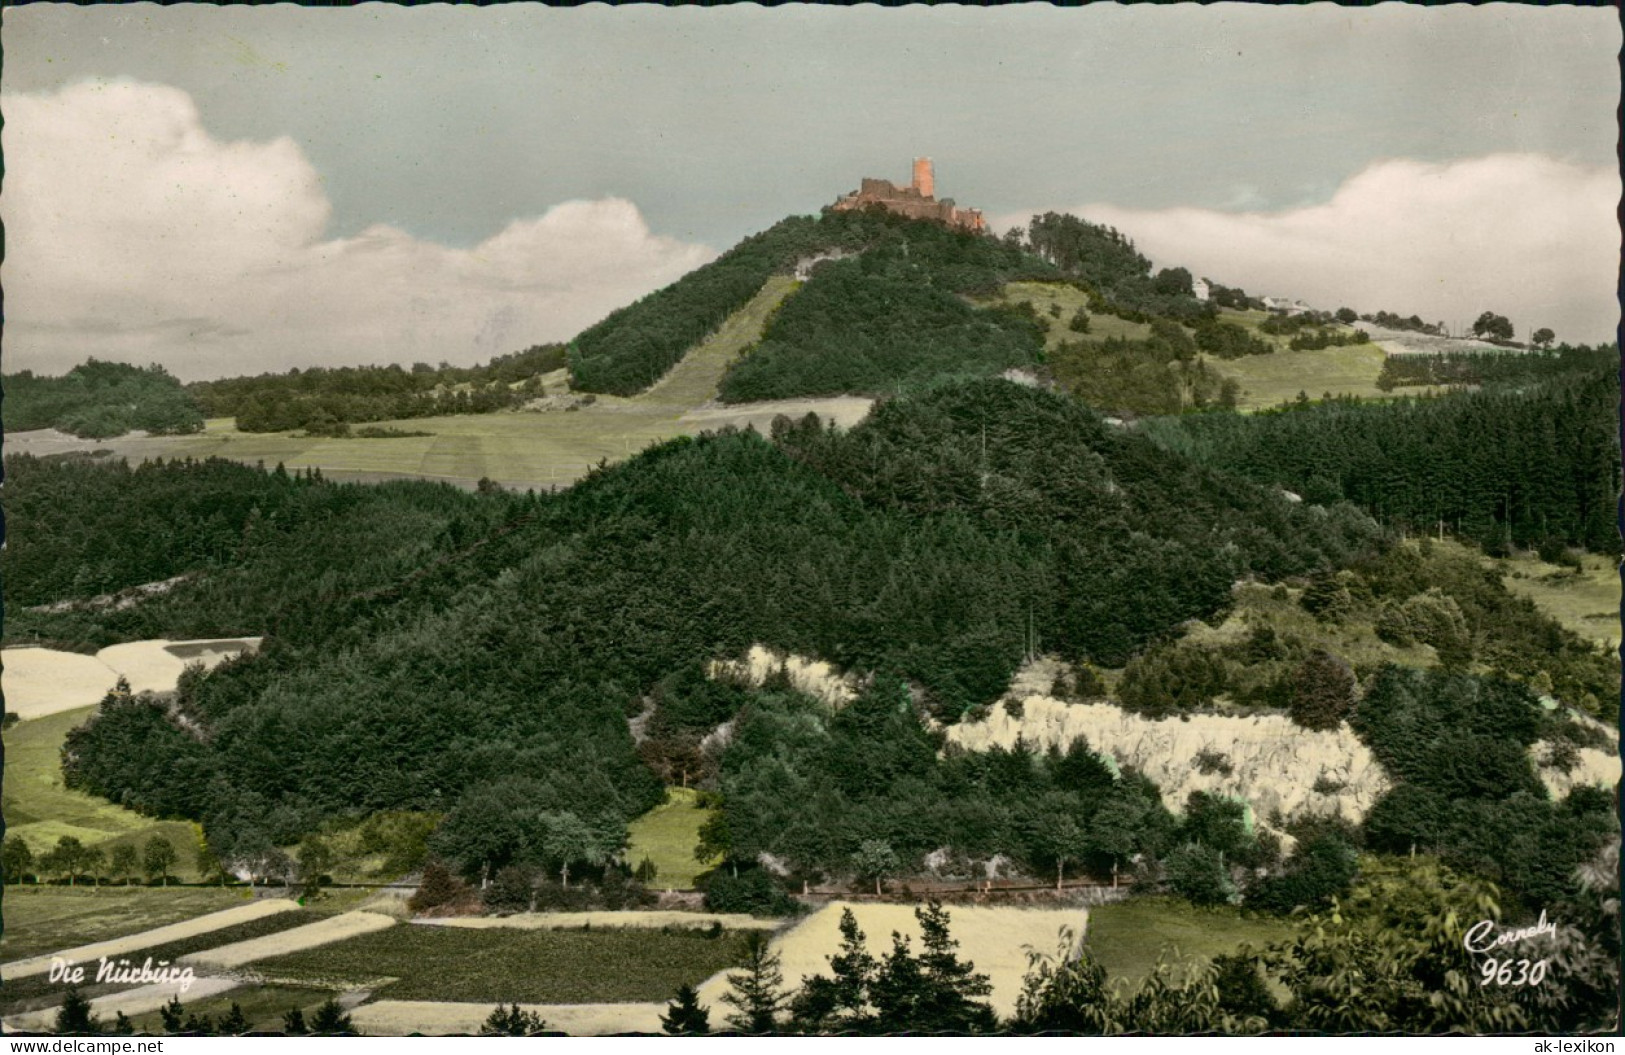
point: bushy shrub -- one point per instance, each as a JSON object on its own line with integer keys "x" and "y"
{"x": 1436, "y": 620}
{"x": 1322, "y": 691}
{"x": 1198, "y": 874}
{"x": 1210, "y": 761}
{"x": 1173, "y": 680}
{"x": 1321, "y": 868}
{"x": 752, "y": 891}
{"x": 439, "y": 887}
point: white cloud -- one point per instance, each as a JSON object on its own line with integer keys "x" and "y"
{"x": 1526, "y": 235}
{"x": 133, "y": 234}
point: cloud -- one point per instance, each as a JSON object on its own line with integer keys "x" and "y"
{"x": 1525, "y": 235}
{"x": 133, "y": 234}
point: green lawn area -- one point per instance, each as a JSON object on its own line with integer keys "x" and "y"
{"x": 1270, "y": 380}
{"x": 1127, "y": 937}
{"x": 38, "y": 807}
{"x": 527, "y": 966}
{"x": 667, "y": 836}
{"x": 43, "y": 919}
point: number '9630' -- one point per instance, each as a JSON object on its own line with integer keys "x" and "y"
{"x": 1512, "y": 972}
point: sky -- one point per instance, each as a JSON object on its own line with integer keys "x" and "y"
{"x": 230, "y": 190}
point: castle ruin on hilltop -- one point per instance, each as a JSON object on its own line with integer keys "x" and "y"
{"x": 914, "y": 201}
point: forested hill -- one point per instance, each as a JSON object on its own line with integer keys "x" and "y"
{"x": 889, "y": 304}
{"x": 941, "y": 542}
{"x": 628, "y": 351}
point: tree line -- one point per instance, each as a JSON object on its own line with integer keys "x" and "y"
{"x": 99, "y": 399}
{"x": 320, "y": 398}
{"x": 1503, "y": 467}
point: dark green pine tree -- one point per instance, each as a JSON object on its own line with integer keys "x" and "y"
{"x": 234, "y": 1022}
{"x": 331, "y": 1020}
{"x": 293, "y": 1023}
{"x": 74, "y": 1015}
{"x": 684, "y": 1016}
{"x": 956, "y": 999}
{"x": 173, "y": 1015}
{"x": 839, "y": 1003}
{"x": 512, "y": 1021}
{"x": 757, "y": 994}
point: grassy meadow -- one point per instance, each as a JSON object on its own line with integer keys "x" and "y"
{"x": 1046, "y": 296}
{"x": 1127, "y": 937}
{"x": 41, "y": 810}
{"x": 667, "y": 835}
{"x": 1270, "y": 380}
{"x": 1584, "y": 601}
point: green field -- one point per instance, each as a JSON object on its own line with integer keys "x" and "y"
{"x": 667, "y": 836}
{"x": 38, "y": 808}
{"x": 519, "y": 449}
{"x": 694, "y": 379}
{"x": 527, "y": 966}
{"x": 44, "y": 919}
{"x": 1586, "y": 602}
{"x": 1127, "y": 937}
{"x": 1270, "y": 380}
{"x": 1071, "y": 300}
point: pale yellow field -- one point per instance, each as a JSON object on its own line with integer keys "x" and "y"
{"x": 630, "y": 920}
{"x": 147, "y": 939}
{"x": 309, "y": 936}
{"x": 996, "y": 940}
{"x": 400, "y": 1018}
{"x": 44, "y": 681}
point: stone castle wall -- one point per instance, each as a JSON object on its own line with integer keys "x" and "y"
{"x": 914, "y": 201}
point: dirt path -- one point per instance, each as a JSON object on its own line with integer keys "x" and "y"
{"x": 632, "y": 920}
{"x": 310, "y": 936}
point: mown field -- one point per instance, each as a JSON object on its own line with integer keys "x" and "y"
{"x": 667, "y": 836}
{"x": 516, "y": 449}
{"x": 1270, "y": 380}
{"x": 1127, "y": 937}
{"x": 45, "y": 919}
{"x": 40, "y": 809}
{"x": 40, "y": 990}
{"x": 1584, "y": 601}
{"x": 527, "y": 966}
